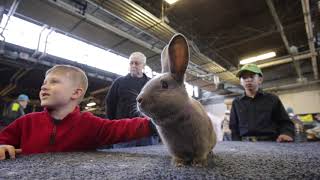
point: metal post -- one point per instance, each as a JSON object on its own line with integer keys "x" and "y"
{"x": 308, "y": 24}
{"x": 284, "y": 38}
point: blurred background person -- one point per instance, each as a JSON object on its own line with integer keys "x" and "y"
{"x": 300, "y": 134}
{"x": 314, "y": 133}
{"x": 16, "y": 109}
{"x": 225, "y": 126}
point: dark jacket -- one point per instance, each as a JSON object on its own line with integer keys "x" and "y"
{"x": 121, "y": 98}
{"x": 13, "y": 112}
{"x": 263, "y": 115}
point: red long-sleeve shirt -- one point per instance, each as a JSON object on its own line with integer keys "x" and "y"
{"x": 78, "y": 131}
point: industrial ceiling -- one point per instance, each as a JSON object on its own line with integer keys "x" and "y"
{"x": 220, "y": 33}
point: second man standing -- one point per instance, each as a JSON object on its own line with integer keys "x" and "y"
{"x": 121, "y": 98}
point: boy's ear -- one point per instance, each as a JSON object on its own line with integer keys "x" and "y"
{"x": 260, "y": 79}
{"x": 77, "y": 93}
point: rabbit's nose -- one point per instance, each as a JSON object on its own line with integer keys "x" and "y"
{"x": 139, "y": 100}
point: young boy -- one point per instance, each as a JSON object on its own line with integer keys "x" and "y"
{"x": 258, "y": 115}
{"x": 61, "y": 127}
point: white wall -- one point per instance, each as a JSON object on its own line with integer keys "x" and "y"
{"x": 302, "y": 102}
{"x": 216, "y": 110}
{"x": 216, "y": 113}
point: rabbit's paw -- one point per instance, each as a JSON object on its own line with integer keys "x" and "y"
{"x": 178, "y": 162}
{"x": 199, "y": 162}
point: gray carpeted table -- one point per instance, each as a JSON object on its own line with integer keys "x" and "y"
{"x": 231, "y": 160}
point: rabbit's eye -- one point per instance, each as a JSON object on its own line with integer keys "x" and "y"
{"x": 164, "y": 85}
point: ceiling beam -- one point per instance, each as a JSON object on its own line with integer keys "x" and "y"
{"x": 284, "y": 38}
{"x": 12, "y": 10}
{"x": 252, "y": 38}
{"x": 284, "y": 60}
{"x": 308, "y": 24}
{"x": 100, "y": 23}
{"x": 14, "y": 82}
{"x": 292, "y": 86}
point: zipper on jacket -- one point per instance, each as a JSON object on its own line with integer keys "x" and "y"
{"x": 53, "y": 135}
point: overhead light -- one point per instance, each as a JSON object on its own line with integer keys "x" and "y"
{"x": 171, "y": 1}
{"x": 91, "y": 104}
{"x": 258, "y": 58}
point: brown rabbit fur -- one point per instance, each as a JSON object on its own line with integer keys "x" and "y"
{"x": 181, "y": 121}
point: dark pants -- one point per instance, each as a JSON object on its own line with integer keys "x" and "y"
{"x": 227, "y": 137}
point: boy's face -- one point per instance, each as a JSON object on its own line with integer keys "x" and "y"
{"x": 23, "y": 104}
{"x": 58, "y": 90}
{"x": 250, "y": 81}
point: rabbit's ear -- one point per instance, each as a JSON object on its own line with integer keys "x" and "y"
{"x": 165, "y": 60}
{"x": 178, "y": 52}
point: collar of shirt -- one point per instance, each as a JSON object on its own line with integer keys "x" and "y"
{"x": 259, "y": 93}
{"x": 130, "y": 77}
{"x": 76, "y": 112}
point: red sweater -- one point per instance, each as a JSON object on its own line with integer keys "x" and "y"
{"x": 78, "y": 131}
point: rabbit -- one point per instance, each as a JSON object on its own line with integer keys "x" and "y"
{"x": 182, "y": 123}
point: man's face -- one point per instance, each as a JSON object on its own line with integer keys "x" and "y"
{"x": 57, "y": 90}
{"x": 136, "y": 66}
{"x": 23, "y": 103}
{"x": 250, "y": 81}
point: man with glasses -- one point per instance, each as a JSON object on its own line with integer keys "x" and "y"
{"x": 257, "y": 115}
{"x": 121, "y": 98}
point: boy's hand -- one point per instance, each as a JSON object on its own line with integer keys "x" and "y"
{"x": 284, "y": 138}
{"x": 10, "y": 150}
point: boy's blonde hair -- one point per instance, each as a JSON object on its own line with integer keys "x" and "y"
{"x": 76, "y": 74}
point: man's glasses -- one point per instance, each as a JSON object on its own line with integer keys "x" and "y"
{"x": 135, "y": 63}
